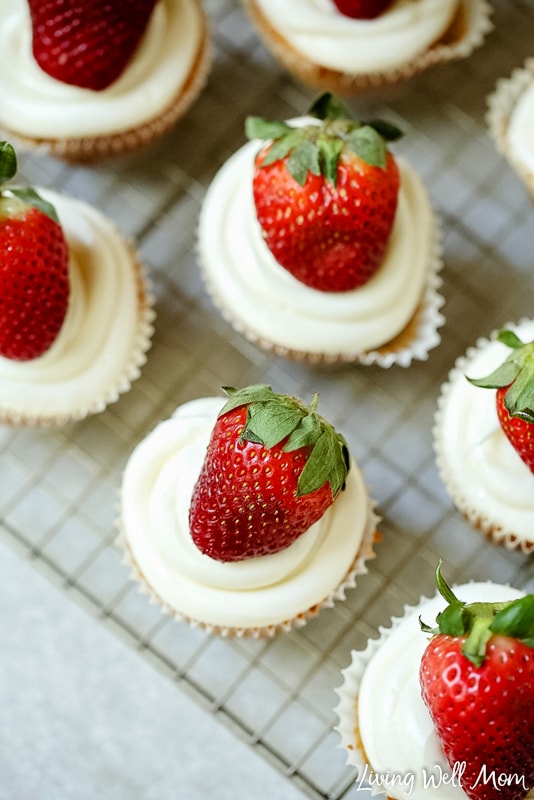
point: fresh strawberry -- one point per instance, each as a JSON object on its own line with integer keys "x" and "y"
{"x": 326, "y": 195}
{"x": 477, "y": 681}
{"x": 514, "y": 381}
{"x": 87, "y": 43}
{"x": 34, "y": 262}
{"x": 362, "y": 9}
{"x": 272, "y": 468}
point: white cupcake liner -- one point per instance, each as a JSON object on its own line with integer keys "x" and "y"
{"x": 501, "y": 104}
{"x": 474, "y": 19}
{"x": 478, "y": 517}
{"x": 358, "y": 567}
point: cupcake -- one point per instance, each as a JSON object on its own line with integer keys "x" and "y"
{"x": 353, "y": 46}
{"x": 511, "y": 121}
{"x": 484, "y": 437}
{"x": 246, "y": 517}
{"x": 142, "y": 64}
{"x": 75, "y": 308}
{"x": 429, "y": 719}
{"x": 321, "y": 246}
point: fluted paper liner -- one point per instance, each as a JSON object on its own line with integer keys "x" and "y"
{"x": 467, "y": 32}
{"x": 358, "y": 567}
{"x": 501, "y": 105}
{"x": 492, "y": 530}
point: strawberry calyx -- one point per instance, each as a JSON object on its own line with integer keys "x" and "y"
{"x": 478, "y": 622}
{"x": 517, "y": 373}
{"x": 316, "y": 148}
{"x": 272, "y": 418}
{"x": 26, "y": 194}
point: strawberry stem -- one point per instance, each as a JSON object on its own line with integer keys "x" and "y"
{"x": 477, "y": 622}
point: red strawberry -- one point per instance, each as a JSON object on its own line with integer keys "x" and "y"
{"x": 34, "y": 262}
{"x": 326, "y": 195}
{"x": 514, "y": 381}
{"x": 362, "y": 9}
{"x": 477, "y": 681}
{"x": 87, "y": 43}
{"x": 271, "y": 470}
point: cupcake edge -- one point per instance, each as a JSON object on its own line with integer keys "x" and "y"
{"x": 501, "y": 103}
{"x": 358, "y": 567}
{"x": 129, "y": 373}
{"x": 494, "y": 533}
{"x": 92, "y": 149}
{"x": 472, "y": 15}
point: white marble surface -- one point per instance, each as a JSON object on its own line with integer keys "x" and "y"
{"x": 82, "y": 716}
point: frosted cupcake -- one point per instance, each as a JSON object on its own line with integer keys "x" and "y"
{"x": 321, "y": 246}
{"x": 394, "y": 737}
{"x": 142, "y": 66}
{"x": 75, "y": 309}
{"x": 483, "y": 436}
{"x": 511, "y": 121}
{"x": 350, "y": 47}
{"x": 240, "y": 526}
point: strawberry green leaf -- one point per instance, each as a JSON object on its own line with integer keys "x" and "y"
{"x": 368, "y": 145}
{"x": 305, "y": 434}
{"x": 271, "y": 423}
{"x": 8, "y": 162}
{"x": 452, "y": 620}
{"x": 317, "y": 470}
{"x": 519, "y": 399}
{"x": 510, "y": 339}
{"x": 259, "y": 392}
{"x": 328, "y": 106}
{"x": 282, "y": 147}
{"x": 516, "y": 619}
{"x": 329, "y": 152}
{"x": 502, "y": 376}
{"x": 259, "y": 128}
{"x": 32, "y": 198}
{"x": 304, "y": 159}
{"x": 387, "y": 130}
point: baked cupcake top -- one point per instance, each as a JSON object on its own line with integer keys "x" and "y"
{"x": 483, "y": 472}
{"x": 37, "y": 105}
{"x": 196, "y": 559}
{"x": 242, "y": 249}
{"x": 394, "y": 741}
{"x": 90, "y": 341}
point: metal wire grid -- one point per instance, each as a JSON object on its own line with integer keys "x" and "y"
{"x": 58, "y": 489}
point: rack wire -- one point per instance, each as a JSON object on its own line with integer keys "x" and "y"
{"x": 58, "y": 488}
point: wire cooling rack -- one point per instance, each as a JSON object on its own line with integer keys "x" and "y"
{"x": 58, "y": 489}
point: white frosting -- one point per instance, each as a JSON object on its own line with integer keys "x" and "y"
{"x": 156, "y": 493}
{"x": 319, "y": 31}
{"x": 488, "y": 475}
{"x": 34, "y": 104}
{"x": 263, "y": 298}
{"x": 100, "y": 334}
{"x": 395, "y": 727}
{"x": 521, "y": 130}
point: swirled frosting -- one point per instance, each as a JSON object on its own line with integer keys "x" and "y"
{"x": 102, "y": 338}
{"x": 325, "y": 36}
{"x": 521, "y": 130}
{"x": 263, "y": 298}
{"x": 395, "y": 728}
{"x": 156, "y": 492}
{"x": 36, "y": 105}
{"x": 483, "y": 471}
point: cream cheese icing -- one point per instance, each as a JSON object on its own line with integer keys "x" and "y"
{"x": 100, "y": 345}
{"x": 485, "y": 473}
{"x": 394, "y": 725}
{"x": 264, "y": 299}
{"x": 156, "y": 491}
{"x": 36, "y": 105}
{"x": 319, "y": 31}
{"x": 521, "y": 130}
